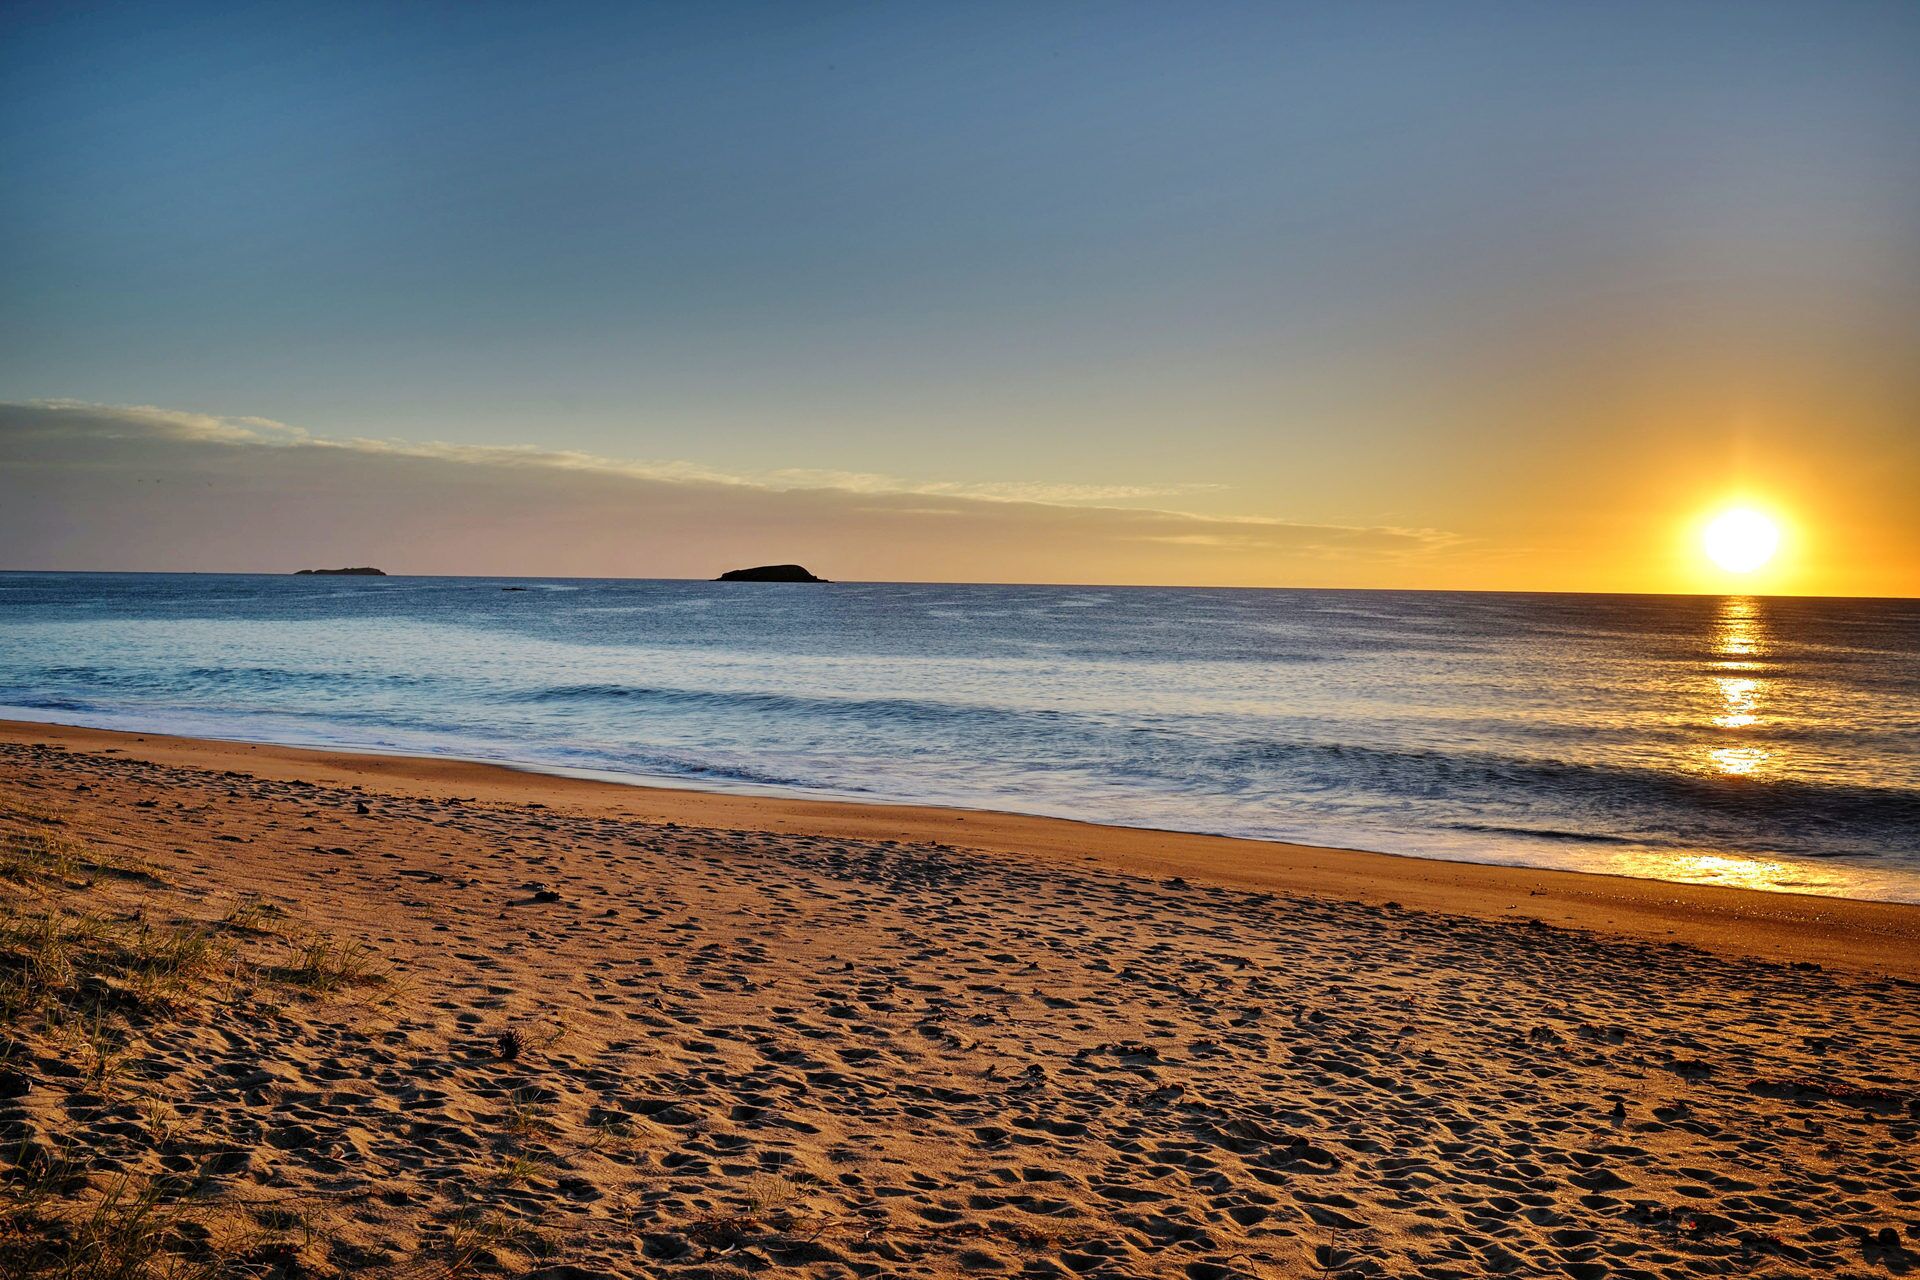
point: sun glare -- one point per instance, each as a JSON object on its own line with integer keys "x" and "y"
{"x": 1741, "y": 540}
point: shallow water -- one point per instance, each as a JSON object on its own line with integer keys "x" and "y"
{"x": 1773, "y": 743}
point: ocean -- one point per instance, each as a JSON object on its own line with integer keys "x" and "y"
{"x": 1765, "y": 742}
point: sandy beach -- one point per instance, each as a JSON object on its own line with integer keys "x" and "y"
{"x": 327, "y": 1014}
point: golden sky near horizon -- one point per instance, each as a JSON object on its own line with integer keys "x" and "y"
{"x": 85, "y": 487}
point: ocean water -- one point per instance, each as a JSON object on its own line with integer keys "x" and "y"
{"x": 1771, "y": 743}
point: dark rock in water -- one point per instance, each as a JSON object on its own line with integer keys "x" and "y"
{"x": 363, "y": 571}
{"x": 513, "y": 588}
{"x": 769, "y": 573}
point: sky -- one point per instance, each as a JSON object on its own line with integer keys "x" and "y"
{"x": 1502, "y": 296}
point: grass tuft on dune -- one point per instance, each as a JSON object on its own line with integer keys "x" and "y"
{"x": 91, "y": 989}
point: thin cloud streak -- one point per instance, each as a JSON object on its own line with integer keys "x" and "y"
{"x": 175, "y": 424}
{"x": 104, "y": 487}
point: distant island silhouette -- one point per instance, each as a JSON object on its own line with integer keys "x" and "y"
{"x": 363, "y": 571}
{"x": 770, "y": 573}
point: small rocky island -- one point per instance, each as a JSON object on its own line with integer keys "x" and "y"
{"x": 769, "y": 573}
{"x": 363, "y": 571}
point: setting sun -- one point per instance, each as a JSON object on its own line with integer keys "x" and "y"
{"x": 1741, "y": 540}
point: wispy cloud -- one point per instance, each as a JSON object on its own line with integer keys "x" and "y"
{"x": 145, "y": 419}
{"x": 107, "y": 486}
{"x": 175, "y": 424}
{"x": 987, "y": 491}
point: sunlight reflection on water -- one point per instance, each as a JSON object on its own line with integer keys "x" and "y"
{"x": 1729, "y": 871}
{"x": 1739, "y": 762}
{"x": 1742, "y": 698}
{"x": 1740, "y": 642}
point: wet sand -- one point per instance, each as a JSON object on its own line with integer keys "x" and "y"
{"x": 610, "y": 1031}
{"x": 1870, "y": 936}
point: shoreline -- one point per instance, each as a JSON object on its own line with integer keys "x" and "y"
{"x": 1763, "y": 874}
{"x": 1870, "y": 936}
{"x": 1731, "y": 870}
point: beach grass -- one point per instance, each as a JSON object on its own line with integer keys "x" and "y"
{"x": 90, "y": 980}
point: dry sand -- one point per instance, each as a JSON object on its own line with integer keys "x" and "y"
{"x": 610, "y": 1031}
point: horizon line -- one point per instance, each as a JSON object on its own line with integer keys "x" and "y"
{"x": 970, "y": 582}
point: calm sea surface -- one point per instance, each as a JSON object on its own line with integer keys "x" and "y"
{"x": 1764, "y": 742}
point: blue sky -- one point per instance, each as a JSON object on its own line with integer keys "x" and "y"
{"x": 1311, "y": 262}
